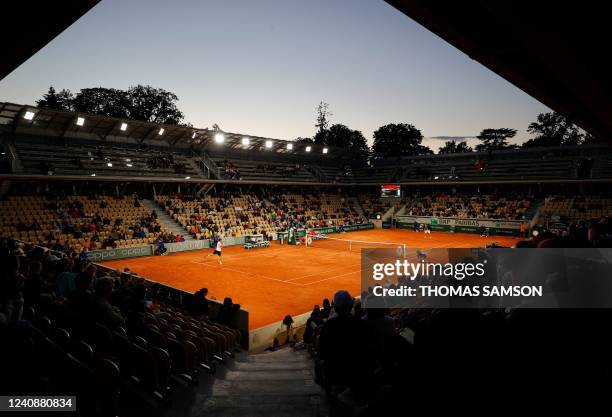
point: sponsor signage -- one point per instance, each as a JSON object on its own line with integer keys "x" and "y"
{"x": 100, "y": 255}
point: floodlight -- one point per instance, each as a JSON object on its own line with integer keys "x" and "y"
{"x": 109, "y": 164}
{"x": 324, "y": 150}
{"x": 268, "y": 144}
{"x": 187, "y": 178}
{"x": 93, "y": 175}
{"x": 308, "y": 148}
{"x": 161, "y": 131}
{"x": 29, "y": 115}
{"x": 246, "y": 141}
{"x": 289, "y": 146}
{"x": 123, "y": 127}
{"x": 219, "y": 138}
{"x": 80, "y": 121}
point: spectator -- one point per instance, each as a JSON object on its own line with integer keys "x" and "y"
{"x": 199, "y": 304}
{"x": 227, "y": 312}
{"x": 101, "y": 310}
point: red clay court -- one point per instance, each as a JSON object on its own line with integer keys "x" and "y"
{"x": 283, "y": 279}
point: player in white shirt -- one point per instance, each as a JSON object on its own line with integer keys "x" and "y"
{"x": 217, "y": 250}
{"x": 427, "y": 231}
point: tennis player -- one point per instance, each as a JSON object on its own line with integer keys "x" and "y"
{"x": 217, "y": 251}
{"x": 427, "y": 231}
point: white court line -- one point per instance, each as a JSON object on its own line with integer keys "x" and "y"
{"x": 317, "y": 273}
{"x": 245, "y": 273}
{"x": 327, "y": 279}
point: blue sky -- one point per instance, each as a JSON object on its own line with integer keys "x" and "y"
{"x": 261, "y": 67}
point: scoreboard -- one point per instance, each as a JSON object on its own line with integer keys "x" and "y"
{"x": 390, "y": 190}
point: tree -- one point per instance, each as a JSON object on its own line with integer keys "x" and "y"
{"x": 495, "y": 139}
{"x": 103, "y": 101}
{"x": 553, "y": 129}
{"x": 144, "y": 103}
{"x": 323, "y": 115}
{"x": 592, "y": 140}
{"x": 342, "y": 137}
{"x": 303, "y": 140}
{"x": 452, "y": 146}
{"x": 397, "y": 139}
{"x": 56, "y": 101}
{"x": 153, "y": 105}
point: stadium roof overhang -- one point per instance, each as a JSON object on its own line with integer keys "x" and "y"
{"x": 28, "y": 27}
{"x": 26, "y": 119}
{"x": 555, "y": 51}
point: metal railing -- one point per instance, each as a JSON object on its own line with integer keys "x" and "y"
{"x": 210, "y": 165}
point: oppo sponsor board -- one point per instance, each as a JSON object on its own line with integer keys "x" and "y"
{"x": 462, "y": 225}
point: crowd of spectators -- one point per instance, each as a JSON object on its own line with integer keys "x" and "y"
{"x": 368, "y": 358}
{"x": 166, "y": 161}
{"x": 230, "y": 171}
{"x": 267, "y": 214}
{"x": 66, "y": 323}
{"x": 482, "y": 206}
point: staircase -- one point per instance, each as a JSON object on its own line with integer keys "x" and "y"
{"x": 211, "y": 169}
{"x": 279, "y": 384}
{"x": 355, "y": 202}
{"x": 166, "y": 221}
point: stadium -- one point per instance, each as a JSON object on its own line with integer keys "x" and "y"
{"x": 158, "y": 268}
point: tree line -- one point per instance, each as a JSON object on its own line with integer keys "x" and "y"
{"x": 157, "y": 105}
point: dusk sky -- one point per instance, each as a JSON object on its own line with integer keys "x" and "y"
{"x": 261, "y": 67}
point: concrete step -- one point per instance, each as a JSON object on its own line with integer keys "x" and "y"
{"x": 272, "y": 366}
{"x": 165, "y": 220}
{"x": 279, "y": 383}
{"x": 298, "y": 387}
{"x": 257, "y": 406}
{"x": 267, "y": 375}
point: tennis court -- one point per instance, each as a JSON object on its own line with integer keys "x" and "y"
{"x": 283, "y": 279}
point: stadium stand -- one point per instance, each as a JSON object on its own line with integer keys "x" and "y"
{"x": 97, "y": 332}
{"x": 77, "y": 222}
{"x": 374, "y": 205}
{"x": 250, "y": 214}
{"x": 576, "y": 208}
{"x": 502, "y": 207}
{"x": 120, "y": 341}
{"x": 104, "y": 160}
{"x": 53, "y": 145}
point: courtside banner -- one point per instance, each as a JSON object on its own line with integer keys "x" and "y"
{"x": 486, "y": 278}
{"x": 100, "y": 255}
{"x": 187, "y": 245}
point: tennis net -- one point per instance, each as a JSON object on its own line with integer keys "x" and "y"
{"x": 350, "y": 245}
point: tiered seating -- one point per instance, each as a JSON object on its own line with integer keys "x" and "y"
{"x": 66, "y": 344}
{"x": 322, "y": 209}
{"x": 235, "y": 216}
{"x": 90, "y": 159}
{"x": 62, "y": 223}
{"x": 574, "y": 209}
{"x": 249, "y": 215}
{"x": 373, "y": 204}
{"x": 482, "y": 206}
{"x": 367, "y": 174}
{"x": 493, "y": 169}
{"x": 257, "y": 170}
